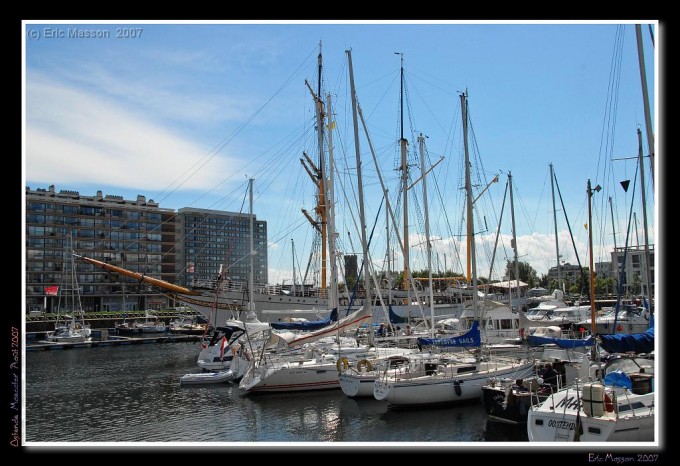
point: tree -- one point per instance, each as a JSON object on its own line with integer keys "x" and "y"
{"x": 527, "y": 274}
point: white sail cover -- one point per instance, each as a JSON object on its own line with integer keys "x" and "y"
{"x": 352, "y": 321}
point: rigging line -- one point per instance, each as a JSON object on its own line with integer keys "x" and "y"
{"x": 297, "y": 136}
{"x": 227, "y": 139}
{"x": 382, "y": 97}
{"x": 172, "y": 249}
{"x": 445, "y": 213}
{"x": 611, "y": 105}
{"x": 434, "y": 117}
{"x": 432, "y": 83}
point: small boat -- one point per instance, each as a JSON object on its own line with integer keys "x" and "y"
{"x": 509, "y": 400}
{"x": 73, "y": 332}
{"x": 207, "y": 377}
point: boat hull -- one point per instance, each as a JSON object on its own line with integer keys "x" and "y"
{"x": 357, "y": 385}
{"x": 441, "y": 389}
{"x": 292, "y": 378}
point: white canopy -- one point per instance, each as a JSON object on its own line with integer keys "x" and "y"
{"x": 509, "y": 284}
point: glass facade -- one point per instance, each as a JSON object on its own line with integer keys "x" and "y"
{"x": 183, "y": 247}
{"x": 208, "y": 239}
{"x": 134, "y": 234}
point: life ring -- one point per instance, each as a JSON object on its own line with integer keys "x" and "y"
{"x": 342, "y": 364}
{"x": 364, "y": 363}
{"x": 608, "y": 404}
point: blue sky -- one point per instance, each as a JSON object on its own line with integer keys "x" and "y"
{"x": 186, "y": 113}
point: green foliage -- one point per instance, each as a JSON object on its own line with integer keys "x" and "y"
{"x": 527, "y": 274}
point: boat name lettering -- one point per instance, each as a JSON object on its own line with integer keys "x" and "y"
{"x": 573, "y": 403}
{"x": 562, "y": 424}
{"x": 468, "y": 341}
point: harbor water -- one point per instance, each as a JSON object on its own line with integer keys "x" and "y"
{"x": 132, "y": 394}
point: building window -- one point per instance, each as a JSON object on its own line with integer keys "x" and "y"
{"x": 37, "y": 206}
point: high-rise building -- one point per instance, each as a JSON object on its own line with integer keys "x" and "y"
{"x": 210, "y": 239}
{"x": 635, "y": 276}
{"x": 134, "y": 234}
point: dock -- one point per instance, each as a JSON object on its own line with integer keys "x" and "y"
{"x": 111, "y": 341}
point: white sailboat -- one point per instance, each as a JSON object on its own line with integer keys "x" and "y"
{"x": 453, "y": 378}
{"x": 73, "y": 328}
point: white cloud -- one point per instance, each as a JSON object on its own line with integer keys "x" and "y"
{"x": 74, "y": 135}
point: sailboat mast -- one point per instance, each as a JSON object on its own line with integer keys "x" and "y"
{"x": 404, "y": 177}
{"x": 387, "y": 236}
{"x": 421, "y": 143}
{"x": 645, "y": 97}
{"x": 472, "y": 261}
{"x": 362, "y": 218}
{"x": 251, "y": 275}
{"x": 292, "y": 245}
{"x": 557, "y": 243}
{"x": 332, "y": 235}
{"x": 514, "y": 239}
{"x": 592, "y": 271}
{"x": 322, "y": 206}
{"x": 644, "y": 220}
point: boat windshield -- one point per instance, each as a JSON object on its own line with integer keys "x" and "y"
{"x": 630, "y": 365}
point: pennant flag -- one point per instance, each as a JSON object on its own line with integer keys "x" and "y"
{"x": 223, "y": 344}
{"x": 625, "y": 184}
{"x": 51, "y": 290}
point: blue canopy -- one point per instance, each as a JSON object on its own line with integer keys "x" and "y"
{"x": 306, "y": 325}
{"x": 618, "y": 379}
{"x": 471, "y": 338}
{"x": 396, "y": 319}
{"x": 561, "y": 342}
{"x": 634, "y": 342}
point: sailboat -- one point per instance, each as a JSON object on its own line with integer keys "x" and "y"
{"x": 453, "y": 377}
{"x": 73, "y": 328}
{"x": 618, "y": 406}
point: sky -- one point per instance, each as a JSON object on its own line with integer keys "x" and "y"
{"x": 185, "y": 113}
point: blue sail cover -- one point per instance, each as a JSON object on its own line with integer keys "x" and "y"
{"x": 634, "y": 342}
{"x": 471, "y": 338}
{"x": 561, "y": 342}
{"x": 306, "y": 325}
{"x": 396, "y": 319}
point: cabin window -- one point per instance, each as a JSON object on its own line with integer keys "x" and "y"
{"x": 506, "y": 324}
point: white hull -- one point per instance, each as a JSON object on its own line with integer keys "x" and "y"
{"x": 356, "y": 385}
{"x": 75, "y": 338}
{"x": 311, "y": 308}
{"x": 272, "y": 308}
{"x": 207, "y": 378}
{"x": 441, "y": 388}
{"x": 71, "y": 334}
{"x": 292, "y": 377}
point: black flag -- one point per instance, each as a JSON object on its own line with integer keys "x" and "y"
{"x": 625, "y": 184}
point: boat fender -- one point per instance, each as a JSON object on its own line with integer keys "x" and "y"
{"x": 364, "y": 363}
{"x": 456, "y": 387}
{"x": 608, "y": 404}
{"x": 342, "y": 364}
